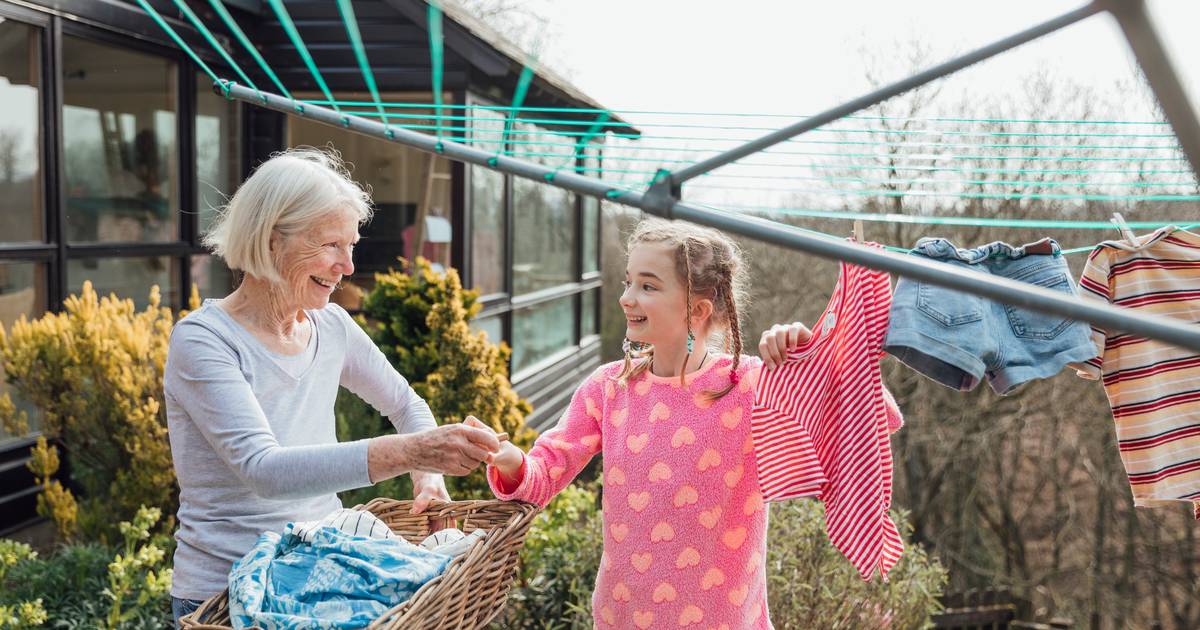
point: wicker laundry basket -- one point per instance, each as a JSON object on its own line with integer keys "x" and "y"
{"x": 467, "y": 595}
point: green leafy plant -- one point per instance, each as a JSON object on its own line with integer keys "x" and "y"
{"x": 559, "y": 563}
{"x": 21, "y": 614}
{"x": 137, "y": 572}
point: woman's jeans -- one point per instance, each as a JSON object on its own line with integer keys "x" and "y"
{"x": 181, "y": 607}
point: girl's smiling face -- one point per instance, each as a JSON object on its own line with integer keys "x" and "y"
{"x": 654, "y": 300}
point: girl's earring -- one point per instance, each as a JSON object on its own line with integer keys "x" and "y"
{"x": 691, "y": 341}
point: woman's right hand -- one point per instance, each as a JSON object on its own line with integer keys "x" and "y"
{"x": 452, "y": 449}
{"x": 508, "y": 460}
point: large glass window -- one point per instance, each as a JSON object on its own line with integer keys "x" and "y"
{"x": 542, "y": 330}
{"x": 20, "y": 134}
{"x": 128, "y": 277}
{"x": 119, "y": 109}
{"x": 544, "y": 218}
{"x": 397, "y": 178}
{"x": 492, "y": 326}
{"x": 587, "y": 316}
{"x": 218, "y": 170}
{"x": 591, "y": 219}
{"x": 488, "y": 220}
{"x": 22, "y": 294}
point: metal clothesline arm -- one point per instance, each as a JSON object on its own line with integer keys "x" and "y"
{"x": 1000, "y": 289}
{"x": 682, "y": 175}
{"x": 1160, "y": 73}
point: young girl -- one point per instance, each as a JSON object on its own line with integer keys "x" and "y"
{"x": 684, "y": 519}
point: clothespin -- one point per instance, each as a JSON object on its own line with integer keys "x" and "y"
{"x": 1126, "y": 233}
{"x": 858, "y": 231}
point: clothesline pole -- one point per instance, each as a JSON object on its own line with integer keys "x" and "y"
{"x": 1160, "y": 72}
{"x": 1000, "y": 289}
{"x": 878, "y": 96}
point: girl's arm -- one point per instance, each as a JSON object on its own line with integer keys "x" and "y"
{"x": 558, "y": 454}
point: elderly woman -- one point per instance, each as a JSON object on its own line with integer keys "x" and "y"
{"x": 251, "y": 379}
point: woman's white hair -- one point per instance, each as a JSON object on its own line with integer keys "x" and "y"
{"x": 288, "y": 194}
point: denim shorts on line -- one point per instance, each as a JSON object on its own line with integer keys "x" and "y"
{"x": 958, "y": 338}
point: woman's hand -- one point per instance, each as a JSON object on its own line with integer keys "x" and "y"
{"x": 427, "y": 488}
{"x": 508, "y": 460}
{"x": 778, "y": 339}
{"x": 452, "y": 449}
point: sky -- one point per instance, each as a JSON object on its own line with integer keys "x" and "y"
{"x": 800, "y": 57}
{"x": 791, "y": 59}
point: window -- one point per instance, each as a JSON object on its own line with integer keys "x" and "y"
{"x": 22, "y": 293}
{"x": 127, "y": 277}
{"x": 119, "y": 109}
{"x": 587, "y": 314}
{"x": 21, "y": 209}
{"x": 591, "y": 219}
{"x": 397, "y": 177}
{"x": 493, "y": 326}
{"x": 218, "y": 131}
{"x": 488, "y": 218}
{"x": 542, "y": 330}
{"x": 544, "y": 218}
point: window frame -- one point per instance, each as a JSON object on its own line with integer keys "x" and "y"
{"x": 504, "y": 304}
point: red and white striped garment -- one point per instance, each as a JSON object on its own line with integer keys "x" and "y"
{"x": 821, "y": 423}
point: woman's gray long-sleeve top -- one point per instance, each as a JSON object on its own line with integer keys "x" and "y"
{"x": 253, "y": 432}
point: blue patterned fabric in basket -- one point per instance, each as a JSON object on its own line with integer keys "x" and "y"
{"x": 336, "y": 581}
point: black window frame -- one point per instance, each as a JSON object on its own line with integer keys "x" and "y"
{"x": 503, "y": 304}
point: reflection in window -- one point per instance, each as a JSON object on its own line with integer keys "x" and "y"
{"x": 126, "y": 277}
{"x": 395, "y": 175}
{"x": 542, "y": 330}
{"x": 211, "y": 277}
{"x": 587, "y": 317}
{"x": 20, "y": 140}
{"x": 119, "y": 144}
{"x": 217, "y": 150}
{"x": 488, "y": 221}
{"x": 22, "y": 294}
{"x": 493, "y": 326}
{"x": 544, "y": 218}
{"x": 591, "y": 219}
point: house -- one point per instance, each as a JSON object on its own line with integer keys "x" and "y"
{"x": 114, "y": 150}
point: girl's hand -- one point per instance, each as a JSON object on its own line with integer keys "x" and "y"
{"x": 508, "y": 460}
{"x": 780, "y": 338}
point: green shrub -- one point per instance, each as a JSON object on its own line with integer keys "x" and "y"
{"x": 558, "y": 565}
{"x": 421, "y": 323}
{"x": 93, "y": 585}
{"x": 810, "y": 584}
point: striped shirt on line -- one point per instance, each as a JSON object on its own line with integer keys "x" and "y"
{"x": 1153, "y": 387}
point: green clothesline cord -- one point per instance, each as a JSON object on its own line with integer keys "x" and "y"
{"x": 868, "y": 130}
{"x": 294, "y": 35}
{"x": 346, "y": 8}
{"x": 883, "y": 143}
{"x": 212, "y": 41}
{"x": 1016, "y": 183}
{"x": 231, "y": 24}
{"x": 436, "y": 58}
{"x": 585, "y": 110}
{"x": 1000, "y": 196}
{"x": 1033, "y": 224}
{"x": 523, "y": 84}
{"x": 178, "y": 40}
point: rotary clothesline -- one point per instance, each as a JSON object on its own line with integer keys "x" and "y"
{"x": 661, "y": 197}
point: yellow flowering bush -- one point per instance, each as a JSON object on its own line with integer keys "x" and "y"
{"x": 95, "y": 372}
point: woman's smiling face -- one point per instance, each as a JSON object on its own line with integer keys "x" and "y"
{"x": 654, "y": 299}
{"x": 314, "y": 262}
